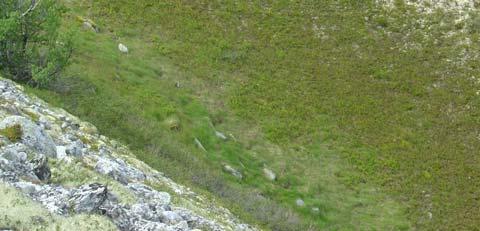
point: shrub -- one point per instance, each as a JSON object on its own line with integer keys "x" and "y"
{"x": 31, "y": 48}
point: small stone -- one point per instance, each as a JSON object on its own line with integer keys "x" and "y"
{"x": 300, "y": 202}
{"x": 269, "y": 174}
{"x": 90, "y": 26}
{"x": 22, "y": 156}
{"x": 122, "y": 48}
{"x": 232, "y": 171}
{"x": 44, "y": 122}
{"x": 220, "y": 135}
{"x": 170, "y": 217}
{"x": 75, "y": 148}
{"x": 61, "y": 152}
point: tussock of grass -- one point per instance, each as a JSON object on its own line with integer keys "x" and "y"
{"x": 13, "y": 133}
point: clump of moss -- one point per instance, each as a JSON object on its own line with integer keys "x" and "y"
{"x": 13, "y": 133}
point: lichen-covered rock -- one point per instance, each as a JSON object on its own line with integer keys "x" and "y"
{"x": 149, "y": 194}
{"x": 88, "y": 198}
{"x": 117, "y": 169}
{"x": 171, "y": 218}
{"x": 75, "y": 148}
{"x": 40, "y": 167}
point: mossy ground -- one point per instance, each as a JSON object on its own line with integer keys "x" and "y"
{"x": 323, "y": 92}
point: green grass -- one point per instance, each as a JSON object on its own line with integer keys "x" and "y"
{"x": 322, "y": 92}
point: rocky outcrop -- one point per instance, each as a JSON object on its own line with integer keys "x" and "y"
{"x": 53, "y": 140}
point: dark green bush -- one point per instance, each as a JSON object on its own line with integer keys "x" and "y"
{"x": 31, "y": 48}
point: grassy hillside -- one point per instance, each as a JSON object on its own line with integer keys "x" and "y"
{"x": 365, "y": 114}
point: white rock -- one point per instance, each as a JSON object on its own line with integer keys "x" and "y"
{"x": 300, "y": 202}
{"x": 122, "y": 48}
{"x": 61, "y": 152}
{"x": 90, "y": 26}
{"x": 269, "y": 174}
{"x": 232, "y": 171}
{"x": 220, "y": 135}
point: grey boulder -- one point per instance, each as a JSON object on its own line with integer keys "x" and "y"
{"x": 118, "y": 170}
{"x": 149, "y": 194}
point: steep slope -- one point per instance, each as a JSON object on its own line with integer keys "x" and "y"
{"x": 73, "y": 178}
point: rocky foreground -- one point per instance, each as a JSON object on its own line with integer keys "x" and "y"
{"x": 63, "y": 166}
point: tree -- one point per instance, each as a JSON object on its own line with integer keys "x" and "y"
{"x": 32, "y": 49}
